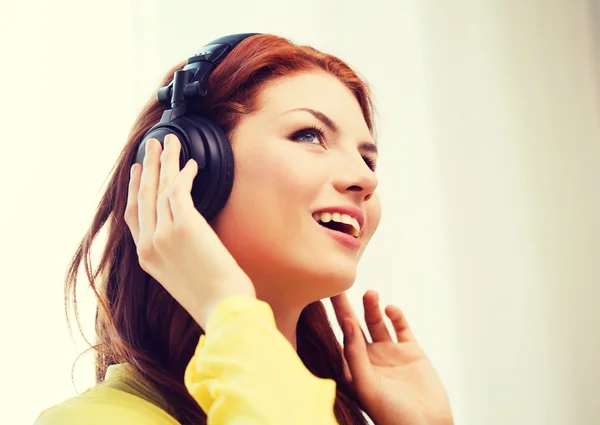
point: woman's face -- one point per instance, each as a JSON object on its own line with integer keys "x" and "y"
{"x": 285, "y": 173}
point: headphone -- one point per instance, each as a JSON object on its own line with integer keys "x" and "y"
{"x": 201, "y": 138}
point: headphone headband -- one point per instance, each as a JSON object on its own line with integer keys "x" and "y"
{"x": 199, "y": 67}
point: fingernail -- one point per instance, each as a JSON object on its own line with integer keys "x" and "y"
{"x": 148, "y": 147}
{"x": 132, "y": 170}
{"x": 167, "y": 140}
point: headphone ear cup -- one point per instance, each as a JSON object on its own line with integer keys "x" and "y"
{"x": 213, "y": 186}
{"x": 205, "y": 142}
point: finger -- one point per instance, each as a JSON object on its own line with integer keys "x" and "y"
{"x": 403, "y": 331}
{"x": 342, "y": 308}
{"x": 355, "y": 352}
{"x": 169, "y": 168}
{"x": 348, "y": 376}
{"x": 180, "y": 195}
{"x": 374, "y": 318}
{"x": 147, "y": 192}
{"x": 131, "y": 210}
{"x": 346, "y": 369}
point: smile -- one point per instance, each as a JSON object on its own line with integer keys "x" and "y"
{"x": 343, "y": 223}
{"x": 338, "y": 221}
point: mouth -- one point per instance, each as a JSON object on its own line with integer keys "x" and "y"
{"x": 338, "y": 222}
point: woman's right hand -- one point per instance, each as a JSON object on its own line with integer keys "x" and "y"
{"x": 175, "y": 244}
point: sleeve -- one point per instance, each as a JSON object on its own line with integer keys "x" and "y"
{"x": 245, "y": 371}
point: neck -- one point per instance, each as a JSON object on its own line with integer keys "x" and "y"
{"x": 286, "y": 316}
{"x": 287, "y": 323}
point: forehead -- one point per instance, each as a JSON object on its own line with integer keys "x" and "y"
{"x": 311, "y": 89}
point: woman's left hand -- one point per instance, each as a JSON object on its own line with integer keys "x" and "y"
{"x": 395, "y": 382}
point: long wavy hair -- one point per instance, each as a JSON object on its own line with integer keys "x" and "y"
{"x": 137, "y": 321}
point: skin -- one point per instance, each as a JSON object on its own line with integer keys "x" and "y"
{"x": 290, "y": 259}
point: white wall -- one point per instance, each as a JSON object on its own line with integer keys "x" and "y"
{"x": 514, "y": 97}
{"x": 490, "y": 138}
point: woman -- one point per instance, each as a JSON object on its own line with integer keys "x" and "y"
{"x": 223, "y": 319}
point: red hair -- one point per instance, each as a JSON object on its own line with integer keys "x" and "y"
{"x": 137, "y": 321}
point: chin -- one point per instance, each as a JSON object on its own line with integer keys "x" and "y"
{"x": 301, "y": 282}
{"x": 324, "y": 280}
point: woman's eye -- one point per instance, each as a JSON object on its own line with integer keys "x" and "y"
{"x": 311, "y": 139}
{"x": 313, "y": 135}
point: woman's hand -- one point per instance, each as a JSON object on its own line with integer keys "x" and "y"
{"x": 175, "y": 244}
{"x": 394, "y": 381}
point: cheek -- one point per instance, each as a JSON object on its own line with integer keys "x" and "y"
{"x": 269, "y": 205}
{"x": 281, "y": 174}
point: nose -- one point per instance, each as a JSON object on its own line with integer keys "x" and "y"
{"x": 357, "y": 178}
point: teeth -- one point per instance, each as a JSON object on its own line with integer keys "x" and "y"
{"x": 326, "y": 217}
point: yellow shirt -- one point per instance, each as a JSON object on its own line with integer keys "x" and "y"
{"x": 244, "y": 371}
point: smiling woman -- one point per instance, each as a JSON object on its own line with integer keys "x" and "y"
{"x": 221, "y": 318}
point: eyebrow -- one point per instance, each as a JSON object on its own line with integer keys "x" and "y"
{"x": 366, "y": 146}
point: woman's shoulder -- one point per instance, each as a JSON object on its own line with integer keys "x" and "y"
{"x": 105, "y": 405}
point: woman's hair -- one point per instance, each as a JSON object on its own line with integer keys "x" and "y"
{"x": 137, "y": 320}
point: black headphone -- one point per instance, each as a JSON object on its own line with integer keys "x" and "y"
{"x": 201, "y": 138}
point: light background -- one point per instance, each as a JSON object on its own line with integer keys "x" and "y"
{"x": 490, "y": 140}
